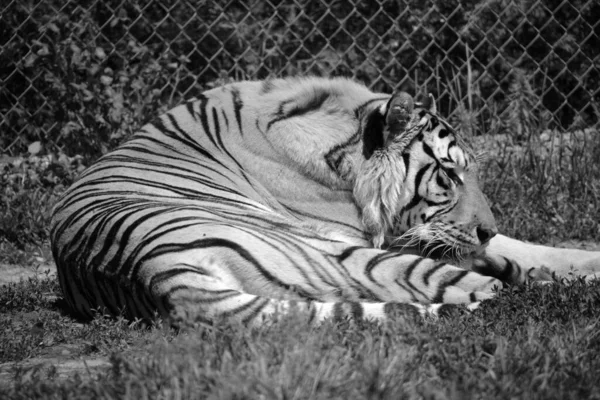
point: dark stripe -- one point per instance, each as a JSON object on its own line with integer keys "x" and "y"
{"x": 439, "y": 212}
{"x": 167, "y": 248}
{"x": 183, "y": 137}
{"x": 114, "y": 264}
{"x": 213, "y": 298}
{"x": 408, "y": 273}
{"x": 357, "y": 310}
{"x": 439, "y": 296}
{"x": 432, "y": 203}
{"x": 375, "y": 261}
{"x": 217, "y": 127}
{"x": 189, "y": 106}
{"x": 347, "y": 253}
{"x": 102, "y": 213}
{"x": 204, "y": 119}
{"x": 335, "y": 156}
{"x": 225, "y": 119}
{"x": 440, "y": 181}
{"x": 222, "y": 146}
{"x": 178, "y": 190}
{"x": 105, "y": 292}
{"x": 195, "y": 175}
{"x": 338, "y": 311}
{"x": 208, "y": 296}
{"x": 407, "y": 289}
{"x": 417, "y": 197}
{"x": 135, "y": 146}
{"x": 436, "y": 267}
{"x": 256, "y": 311}
{"x": 443, "y": 133}
{"x": 237, "y": 108}
{"x": 510, "y": 269}
{"x": 504, "y": 273}
{"x": 358, "y": 111}
{"x": 159, "y": 277}
{"x": 406, "y": 159}
{"x": 156, "y": 233}
{"x": 427, "y": 149}
{"x": 313, "y": 103}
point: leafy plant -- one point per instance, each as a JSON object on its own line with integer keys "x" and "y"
{"x": 30, "y": 187}
{"x": 522, "y": 117}
{"x": 91, "y": 93}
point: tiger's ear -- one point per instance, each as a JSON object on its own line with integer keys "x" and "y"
{"x": 387, "y": 122}
{"x": 428, "y": 104}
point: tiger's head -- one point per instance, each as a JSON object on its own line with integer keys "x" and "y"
{"x": 417, "y": 185}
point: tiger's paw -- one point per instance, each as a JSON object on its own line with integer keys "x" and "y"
{"x": 471, "y": 288}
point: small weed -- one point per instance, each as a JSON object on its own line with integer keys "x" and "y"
{"x": 30, "y": 295}
{"x": 523, "y": 118}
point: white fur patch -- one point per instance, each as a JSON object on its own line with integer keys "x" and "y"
{"x": 379, "y": 191}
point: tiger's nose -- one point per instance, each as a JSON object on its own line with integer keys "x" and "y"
{"x": 486, "y": 233}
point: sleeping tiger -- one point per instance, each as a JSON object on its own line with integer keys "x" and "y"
{"x": 311, "y": 195}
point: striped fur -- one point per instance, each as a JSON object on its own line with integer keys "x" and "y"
{"x": 260, "y": 198}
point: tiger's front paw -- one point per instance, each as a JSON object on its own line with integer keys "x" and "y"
{"x": 471, "y": 288}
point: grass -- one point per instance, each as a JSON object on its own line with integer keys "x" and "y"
{"x": 32, "y": 320}
{"x": 535, "y": 342}
{"x": 545, "y": 191}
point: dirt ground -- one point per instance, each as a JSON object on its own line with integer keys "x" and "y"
{"x": 62, "y": 360}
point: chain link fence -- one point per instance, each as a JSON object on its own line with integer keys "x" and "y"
{"x": 80, "y": 73}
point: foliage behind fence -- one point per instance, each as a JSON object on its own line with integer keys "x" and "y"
{"x": 81, "y": 75}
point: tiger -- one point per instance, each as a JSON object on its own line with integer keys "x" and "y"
{"x": 261, "y": 199}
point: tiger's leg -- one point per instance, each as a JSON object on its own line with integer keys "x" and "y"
{"x": 205, "y": 298}
{"x": 237, "y": 274}
{"x": 513, "y": 261}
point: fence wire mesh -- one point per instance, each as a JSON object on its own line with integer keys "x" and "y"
{"x": 492, "y": 65}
